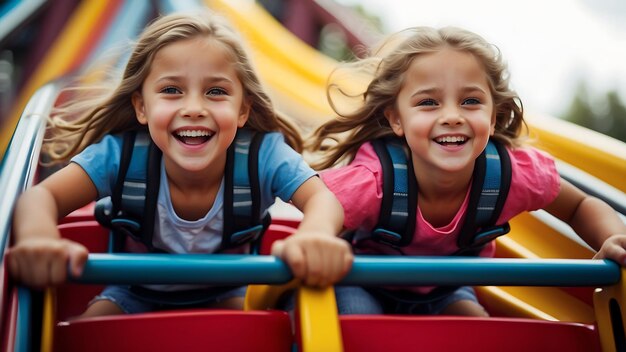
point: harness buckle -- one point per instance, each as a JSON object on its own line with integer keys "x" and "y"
{"x": 128, "y": 227}
{"x": 386, "y": 236}
{"x": 490, "y": 233}
{"x": 103, "y": 211}
{"x": 246, "y": 235}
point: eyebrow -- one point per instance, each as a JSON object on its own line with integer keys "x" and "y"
{"x": 211, "y": 79}
{"x": 425, "y": 91}
{"x": 471, "y": 88}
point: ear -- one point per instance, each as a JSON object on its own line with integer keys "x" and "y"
{"x": 140, "y": 111}
{"x": 492, "y": 126}
{"x": 394, "y": 121}
{"x": 244, "y": 113}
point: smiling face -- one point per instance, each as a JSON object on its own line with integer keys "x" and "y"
{"x": 445, "y": 109}
{"x": 193, "y": 102}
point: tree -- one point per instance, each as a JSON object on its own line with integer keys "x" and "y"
{"x": 606, "y": 114}
{"x": 617, "y": 112}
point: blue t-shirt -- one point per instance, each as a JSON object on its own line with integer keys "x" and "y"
{"x": 281, "y": 171}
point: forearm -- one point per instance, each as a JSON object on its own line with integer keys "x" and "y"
{"x": 595, "y": 221}
{"x": 314, "y": 253}
{"x": 322, "y": 214}
{"x": 35, "y": 215}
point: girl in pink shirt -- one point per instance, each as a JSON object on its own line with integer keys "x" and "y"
{"x": 445, "y": 94}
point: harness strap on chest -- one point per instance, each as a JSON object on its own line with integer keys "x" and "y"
{"x": 490, "y": 185}
{"x": 131, "y": 209}
{"x": 491, "y": 181}
{"x": 242, "y": 197}
{"x": 395, "y": 223}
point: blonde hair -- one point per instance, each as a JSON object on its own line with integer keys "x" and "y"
{"x": 95, "y": 111}
{"x": 385, "y": 69}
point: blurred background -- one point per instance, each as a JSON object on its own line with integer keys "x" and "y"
{"x": 566, "y": 57}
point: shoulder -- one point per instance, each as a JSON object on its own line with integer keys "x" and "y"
{"x": 363, "y": 175}
{"x": 355, "y": 184}
{"x": 532, "y": 166}
{"x": 535, "y": 181}
{"x": 528, "y": 156}
{"x": 274, "y": 137}
{"x": 109, "y": 141}
{"x": 281, "y": 169}
{"x": 274, "y": 146}
{"x": 272, "y": 140}
{"x": 365, "y": 162}
{"x": 101, "y": 162}
{"x": 109, "y": 145}
{"x": 366, "y": 156}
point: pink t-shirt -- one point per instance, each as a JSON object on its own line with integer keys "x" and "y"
{"x": 535, "y": 183}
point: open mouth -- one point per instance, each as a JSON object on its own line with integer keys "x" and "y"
{"x": 193, "y": 137}
{"x": 451, "y": 140}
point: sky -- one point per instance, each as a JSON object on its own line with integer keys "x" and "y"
{"x": 549, "y": 45}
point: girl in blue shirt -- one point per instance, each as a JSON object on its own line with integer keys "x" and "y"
{"x": 190, "y": 83}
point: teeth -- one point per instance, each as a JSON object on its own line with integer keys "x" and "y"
{"x": 451, "y": 139}
{"x": 193, "y": 133}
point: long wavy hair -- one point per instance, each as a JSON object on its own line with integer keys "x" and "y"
{"x": 339, "y": 139}
{"x": 93, "y": 111}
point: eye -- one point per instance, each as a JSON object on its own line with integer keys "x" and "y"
{"x": 170, "y": 90}
{"x": 427, "y": 102}
{"x": 216, "y": 91}
{"x": 471, "y": 101}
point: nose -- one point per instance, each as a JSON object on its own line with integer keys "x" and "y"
{"x": 194, "y": 107}
{"x": 451, "y": 116}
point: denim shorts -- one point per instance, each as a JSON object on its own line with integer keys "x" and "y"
{"x": 357, "y": 300}
{"x": 131, "y": 301}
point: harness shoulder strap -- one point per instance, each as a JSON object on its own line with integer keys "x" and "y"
{"x": 130, "y": 210}
{"x": 243, "y": 221}
{"x": 490, "y": 188}
{"x": 396, "y": 221}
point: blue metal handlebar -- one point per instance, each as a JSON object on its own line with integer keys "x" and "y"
{"x": 224, "y": 269}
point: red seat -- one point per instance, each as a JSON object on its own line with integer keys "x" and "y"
{"x": 276, "y": 231}
{"x": 182, "y": 330}
{"x": 72, "y": 299}
{"x": 85, "y": 213}
{"x": 388, "y": 333}
{"x": 176, "y": 330}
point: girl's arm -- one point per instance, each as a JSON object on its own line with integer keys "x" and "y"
{"x": 314, "y": 253}
{"x": 593, "y": 220}
{"x": 39, "y": 257}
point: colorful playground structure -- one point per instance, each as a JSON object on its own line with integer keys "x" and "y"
{"x": 542, "y": 291}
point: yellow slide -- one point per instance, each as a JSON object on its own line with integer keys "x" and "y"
{"x": 57, "y": 61}
{"x": 296, "y": 75}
